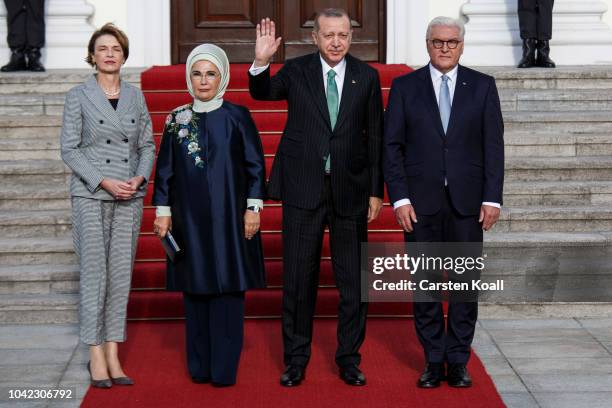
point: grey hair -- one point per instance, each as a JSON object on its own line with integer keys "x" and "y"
{"x": 445, "y": 22}
{"x": 330, "y": 12}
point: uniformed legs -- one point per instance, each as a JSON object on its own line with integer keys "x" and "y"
{"x": 26, "y": 34}
{"x": 535, "y": 22}
{"x": 214, "y": 335}
{"x": 105, "y": 236}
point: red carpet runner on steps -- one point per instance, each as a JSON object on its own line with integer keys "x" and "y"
{"x": 154, "y": 352}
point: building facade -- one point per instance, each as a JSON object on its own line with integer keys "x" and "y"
{"x": 582, "y": 33}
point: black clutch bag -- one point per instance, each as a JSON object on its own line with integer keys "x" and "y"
{"x": 171, "y": 247}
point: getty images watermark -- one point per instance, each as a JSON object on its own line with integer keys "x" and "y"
{"x": 401, "y": 272}
{"x": 499, "y": 272}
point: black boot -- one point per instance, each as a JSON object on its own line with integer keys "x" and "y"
{"x": 544, "y": 60}
{"x": 529, "y": 51}
{"x": 34, "y": 63}
{"x": 17, "y": 62}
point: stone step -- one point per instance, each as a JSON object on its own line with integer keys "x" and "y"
{"x": 40, "y": 223}
{"x": 567, "y": 77}
{"x": 52, "y": 172}
{"x": 30, "y": 148}
{"x": 55, "y": 81}
{"x": 559, "y": 122}
{"x": 556, "y": 193}
{"x": 38, "y": 126}
{"x": 556, "y": 100}
{"x": 518, "y": 143}
{"x": 37, "y": 251}
{"x": 555, "y": 219}
{"x": 39, "y": 279}
{"x": 585, "y": 168}
{"x": 575, "y": 218}
{"x": 32, "y": 104}
{"x": 525, "y": 143}
{"x": 39, "y": 309}
{"x": 33, "y": 196}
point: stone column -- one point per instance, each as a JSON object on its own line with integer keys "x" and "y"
{"x": 580, "y": 37}
{"x": 68, "y": 32}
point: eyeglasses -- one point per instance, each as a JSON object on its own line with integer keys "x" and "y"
{"x": 451, "y": 44}
{"x": 210, "y": 76}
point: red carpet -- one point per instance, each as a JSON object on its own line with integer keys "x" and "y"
{"x": 154, "y": 357}
{"x": 154, "y": 352}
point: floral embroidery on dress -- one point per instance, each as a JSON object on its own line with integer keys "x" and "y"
{"x": 183, "y": 124}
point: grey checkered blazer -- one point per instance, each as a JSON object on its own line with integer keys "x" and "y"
{"x": 99, "y": 142}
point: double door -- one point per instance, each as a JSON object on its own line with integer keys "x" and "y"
{"x": 231, "y": 25}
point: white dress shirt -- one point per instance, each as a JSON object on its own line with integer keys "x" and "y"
{"x": 436, "y": 79}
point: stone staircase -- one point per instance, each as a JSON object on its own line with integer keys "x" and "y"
{"x": 558, "y": 190}
{"x": 39, "y": 277}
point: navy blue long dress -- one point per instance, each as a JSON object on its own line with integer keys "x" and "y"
{"x": 207, "y": 190}
{"x": 207, "y": 167}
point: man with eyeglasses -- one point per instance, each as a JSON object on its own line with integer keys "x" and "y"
{"x": 443, "y": 160}
{"x": 328, "y": 173}
{"x": 535, "y": 22}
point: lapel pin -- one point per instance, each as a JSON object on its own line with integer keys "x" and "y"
{"x": 353, "y": 81}
{"x": 464, "y": 83}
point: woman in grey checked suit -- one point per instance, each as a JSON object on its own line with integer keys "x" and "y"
{"x": 107, "y": 141}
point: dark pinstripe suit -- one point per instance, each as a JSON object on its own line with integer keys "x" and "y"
{"x": 312, "y": 201}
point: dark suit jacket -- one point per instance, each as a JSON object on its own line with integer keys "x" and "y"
{"x": 355, "y": 144}
{"x": 417, "y": 154}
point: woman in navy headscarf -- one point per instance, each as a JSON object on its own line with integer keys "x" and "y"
{"x": 209, "y": 190}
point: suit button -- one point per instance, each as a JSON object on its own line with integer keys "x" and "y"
{"x": 101, "y": 122}
{"x": 445, "y": 150}
{"x": 125, "y": 160}
{"x": 133, "y": 121}
{"x": 107, "y": 141}
{"x": 107, "y": 160}
{"x": 125, "y": 140}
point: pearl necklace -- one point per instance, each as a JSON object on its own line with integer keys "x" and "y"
{"x": 109, "y": 93}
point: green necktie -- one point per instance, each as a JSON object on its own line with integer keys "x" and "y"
{"x": 332, "y": 106}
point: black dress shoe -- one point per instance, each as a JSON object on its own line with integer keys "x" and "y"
{"x": 529, "y": 54}
{"x": 543, "y": 59}
{"x": 17, "y": 62}
{"x": 458, "y": 376}
{"x": 352, "y": 375}
{"x": 432, "y": 376}
{"x": 200, "y": 380}
{"x": 293, "y": 375}
{"x": 34, "y": 63}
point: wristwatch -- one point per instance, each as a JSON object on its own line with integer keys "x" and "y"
{"x": 255, "y": 208}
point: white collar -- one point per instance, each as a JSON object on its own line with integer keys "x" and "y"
{"x": 339, "y": 68}
{"x": 436, "y": 75}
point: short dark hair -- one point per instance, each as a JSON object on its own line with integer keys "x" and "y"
{"x": 330, "y": 12}
{"x": 107, "y": 29}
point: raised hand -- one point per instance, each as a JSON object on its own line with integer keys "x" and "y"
{"x": 266, "y": 44}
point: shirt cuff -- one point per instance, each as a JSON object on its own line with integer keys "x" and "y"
{"x": 254, "y": 201}
{"x": 257, "y": 70}
{"x": 401, "y": 203}
{"x": 496, "y": 205}
{"x": 163, "y": 211}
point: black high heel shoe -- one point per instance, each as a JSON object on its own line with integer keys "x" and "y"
{"x": 98, "y": 383}
{"x": 122, "y": 381}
